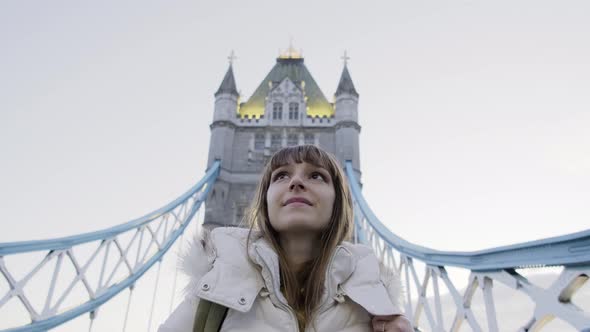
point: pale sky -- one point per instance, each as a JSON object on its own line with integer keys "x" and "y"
{"x": 474, "y": 114}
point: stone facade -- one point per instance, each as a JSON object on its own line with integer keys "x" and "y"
{"x": 287, "y": 109}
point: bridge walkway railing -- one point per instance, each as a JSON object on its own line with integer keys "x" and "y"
{"x": 485, "y": 269}
{"x": 119, "y": 257}
{"x": 140, "y": 244}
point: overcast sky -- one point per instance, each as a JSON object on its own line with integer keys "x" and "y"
{"x": 474, "y": 114}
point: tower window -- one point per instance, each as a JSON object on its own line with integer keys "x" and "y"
{"x": 309, "y": 139}
{"x": 292, "y": 140}
{"x": 277, "y": 111}
{"x": 275, "y": 141}
{"x": 259, "y": 141}
{"x": 293, "y": 111}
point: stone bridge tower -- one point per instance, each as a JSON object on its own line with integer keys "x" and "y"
{"x": 288, "y": 108}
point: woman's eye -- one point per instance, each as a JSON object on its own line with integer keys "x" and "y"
{"x": 318, "y": 176}
{"x": 280, "y": 176}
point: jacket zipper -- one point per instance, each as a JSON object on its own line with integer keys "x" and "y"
{"x": 323, "y": 307}
{"x": 284, "y": 306}
{"x": 327, "y": 303}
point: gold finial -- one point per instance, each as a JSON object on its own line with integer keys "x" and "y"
{"x": 345, "y": 57}
{"x": 291, "y": 52}
{"x": 232, "y": 56}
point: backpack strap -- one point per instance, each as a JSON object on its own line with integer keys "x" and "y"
{"x": 209, "y": 316}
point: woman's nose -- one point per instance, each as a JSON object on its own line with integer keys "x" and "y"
{"x": 296, "y": 182}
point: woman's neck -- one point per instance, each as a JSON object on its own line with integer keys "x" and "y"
{"x": 299, "y": 248}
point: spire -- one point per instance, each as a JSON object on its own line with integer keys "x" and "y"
{"x": 228, "y": 85}
{"x": 291, "y": 52}
{"x": 345, "y": 85}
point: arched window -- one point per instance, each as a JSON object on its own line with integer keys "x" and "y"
{"x": 293, "y": 111}
{"x": 259, "y": 141}
{"x": 277, "y": 111}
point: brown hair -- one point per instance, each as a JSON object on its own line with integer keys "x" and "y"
{"x": 303, "y": 290}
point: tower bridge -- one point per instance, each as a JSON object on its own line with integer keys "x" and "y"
{"x": 75, "y": 278}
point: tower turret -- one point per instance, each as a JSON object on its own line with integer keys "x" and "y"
{"x": 346, "y": 98}
{"x": 223, "y": 127}
{"x": 226, "y": 97}
{"x": 223, "y": 130}
{"x": 347, "y": 129}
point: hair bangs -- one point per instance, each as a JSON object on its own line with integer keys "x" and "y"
{"x": 302, "y": 153}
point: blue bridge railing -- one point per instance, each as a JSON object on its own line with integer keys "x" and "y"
{"x": 138, "y": 245}
{"x": 485, "y": 267}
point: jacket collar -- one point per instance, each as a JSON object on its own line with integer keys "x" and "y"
{"x": 233, "y": 280}
{"x": 340, "y": 267}
{"x": 240, "y": 273}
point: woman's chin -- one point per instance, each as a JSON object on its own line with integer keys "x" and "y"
{"x": 298, "y": 226}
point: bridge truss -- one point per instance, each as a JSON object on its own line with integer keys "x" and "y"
{"x": 141, "y": 244}
{"x": 138, "y": 245}
{"x": 486, "y": 269}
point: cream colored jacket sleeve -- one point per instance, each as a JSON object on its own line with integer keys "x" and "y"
{"x": 182, "y": 318}
{"x": 194, "y": 263}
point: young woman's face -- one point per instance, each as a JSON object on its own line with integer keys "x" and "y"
{"x": 300, "y": 198}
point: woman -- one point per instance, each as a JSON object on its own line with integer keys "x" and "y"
{"x": 292, "y": 270}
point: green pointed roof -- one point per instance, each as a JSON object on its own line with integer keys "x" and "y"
{"x": 345, "y": 85}
{"x": 228, "y": 85}
{"x": 295, "y": 70}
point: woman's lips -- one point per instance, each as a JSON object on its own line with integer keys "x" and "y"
{"x": 297, "y": 200}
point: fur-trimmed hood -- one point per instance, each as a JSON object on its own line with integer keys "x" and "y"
{"x": 221, "y": 269}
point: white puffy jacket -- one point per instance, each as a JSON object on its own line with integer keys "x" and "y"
{"x": 356, "y": 287}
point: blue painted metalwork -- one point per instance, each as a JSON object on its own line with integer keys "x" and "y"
{"x": 571, "y": 251}
{"x": 9, "y": 248}
{"x": 502, "y": 265}
{"x": 203, "y": 186}
{"x": 567, "y": 249}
